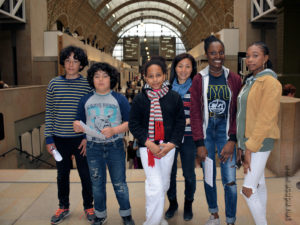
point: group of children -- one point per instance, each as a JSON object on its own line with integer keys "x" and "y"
{"x": 86, "y": 118}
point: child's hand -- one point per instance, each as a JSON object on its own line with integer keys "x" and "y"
{"x": 108, "y": 132}
{"x": 187, "y": 121}
{"x": 82, "y": 147}
{"x": 154, "y": 148}
{"x": 77, "y": 127}
{"x": 164, "y": 149}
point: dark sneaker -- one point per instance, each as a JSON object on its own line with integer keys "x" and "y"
{"x": 127, "y": 220}
{"x": 59, "y": 216}
{"x": 99, "y": 221}
{"x": 172, "y": 209}
{"x": 90, "y": 214}
{"x": 188, "y": 211}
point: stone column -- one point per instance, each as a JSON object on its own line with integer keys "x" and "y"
{"x": 286, "y": 152}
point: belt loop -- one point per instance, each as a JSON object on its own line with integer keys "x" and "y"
{"x": 91, "y": 144}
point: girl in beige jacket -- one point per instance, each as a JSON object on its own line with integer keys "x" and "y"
{"x": 257, "y": 129}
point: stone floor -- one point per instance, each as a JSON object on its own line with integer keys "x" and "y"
{"x": 28, "y": 197}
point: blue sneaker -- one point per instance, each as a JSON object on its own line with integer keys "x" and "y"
{"x": 59, "y": 216}
{"x": 99, "y": 221}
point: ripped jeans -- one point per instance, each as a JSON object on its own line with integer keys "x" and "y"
{"x": 255, "y": 180}
{"x": 111, "y": 154}
{"x": 215, "y": 140}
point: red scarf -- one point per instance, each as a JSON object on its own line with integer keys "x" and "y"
{"x": 156, "y": 125}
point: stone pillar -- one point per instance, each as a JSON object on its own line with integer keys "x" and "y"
{"x": 286, "y": 152}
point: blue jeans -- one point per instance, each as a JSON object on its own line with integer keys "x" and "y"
{"x": 216, "y": 137}
{"x": 111, "y": 154}
{"x": 187, "y": 154}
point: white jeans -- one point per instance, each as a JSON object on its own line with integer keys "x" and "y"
{"x": 156, "y": 185}
{"x": 255, "y": 179}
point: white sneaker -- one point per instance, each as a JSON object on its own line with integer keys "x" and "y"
{"x": 213, "y": 221}
{"x": 164, "y": 222}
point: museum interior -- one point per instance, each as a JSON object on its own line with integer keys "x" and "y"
{"x": 126, "y": 34}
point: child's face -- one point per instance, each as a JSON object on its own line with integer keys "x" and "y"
{"x": 101, "y": 82}
{"x": 155, "y": 76}
{"x": 72, "y": 66}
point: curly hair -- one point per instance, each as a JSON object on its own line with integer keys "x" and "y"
{"x": 176, "y": 60}
{"x": 156, "y": 60}
{"x": 79, "y": 54}
{"x": 111, "y": 71}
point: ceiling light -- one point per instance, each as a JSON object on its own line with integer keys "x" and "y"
{"x": 114, "y": 15}
{"x": 145, "y": 39}
{"x": 146, "y": 48}
{"x": 107, "y": 6}
{"x": 147, "y": 53}
{"x": 142, "y": 19}
{"x": 183, "y": 15}
{"x": 179, "y": 22}
{"x": 118, "y": 22}
{"x": 188, "y": 6}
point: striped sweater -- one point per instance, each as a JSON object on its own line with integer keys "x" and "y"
{"x": 186, "y": 106}
{"x": 63, "y": 96}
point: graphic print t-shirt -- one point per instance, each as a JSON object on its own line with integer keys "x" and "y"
{"x": 218, "y": 95}
{"x": 102, "y": 111}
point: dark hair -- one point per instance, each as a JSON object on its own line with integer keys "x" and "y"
{"x": 176, "y": 60}
{"x": 1, "y": 84}
{"x": 111, "y": 71}
{"x": 79, "y": 54}
{"x": 156, "y": 60}
{"x": 265, "y": 50}
{"x": 210, "y": 40}
{"x": 288, "y": 89}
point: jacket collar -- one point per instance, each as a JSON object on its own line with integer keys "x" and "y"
{"x": 266, "y": 72}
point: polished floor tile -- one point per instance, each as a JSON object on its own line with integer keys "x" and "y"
{"x": 28, "y": 197}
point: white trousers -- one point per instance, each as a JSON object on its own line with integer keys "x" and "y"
{"x": 156, "y": 185}
{"x": 255, "y": 179}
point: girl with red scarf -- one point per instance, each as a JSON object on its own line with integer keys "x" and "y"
{"x": 157, "y": 121}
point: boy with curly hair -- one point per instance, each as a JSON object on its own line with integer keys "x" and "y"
{"x": 63, "y": 95}
{"x": 103, "y": 116}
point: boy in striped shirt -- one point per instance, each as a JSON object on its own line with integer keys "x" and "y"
{"x": 63, "y": 95}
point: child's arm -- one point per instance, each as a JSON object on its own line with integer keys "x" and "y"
{"x": 78, "y": 128}
{"x": 110, "y": 131}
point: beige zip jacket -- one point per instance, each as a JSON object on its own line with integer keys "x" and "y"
{"x": 263, "y": 106}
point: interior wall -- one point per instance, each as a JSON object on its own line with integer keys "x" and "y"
{"x": 6, "y": 60}
{"x": 38, "y": 20}
{"x": 16, "y": 104}
{"x": 23, "y": 47}
{"x": 44, "y": 69}
{"x": 251, "y": 32}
